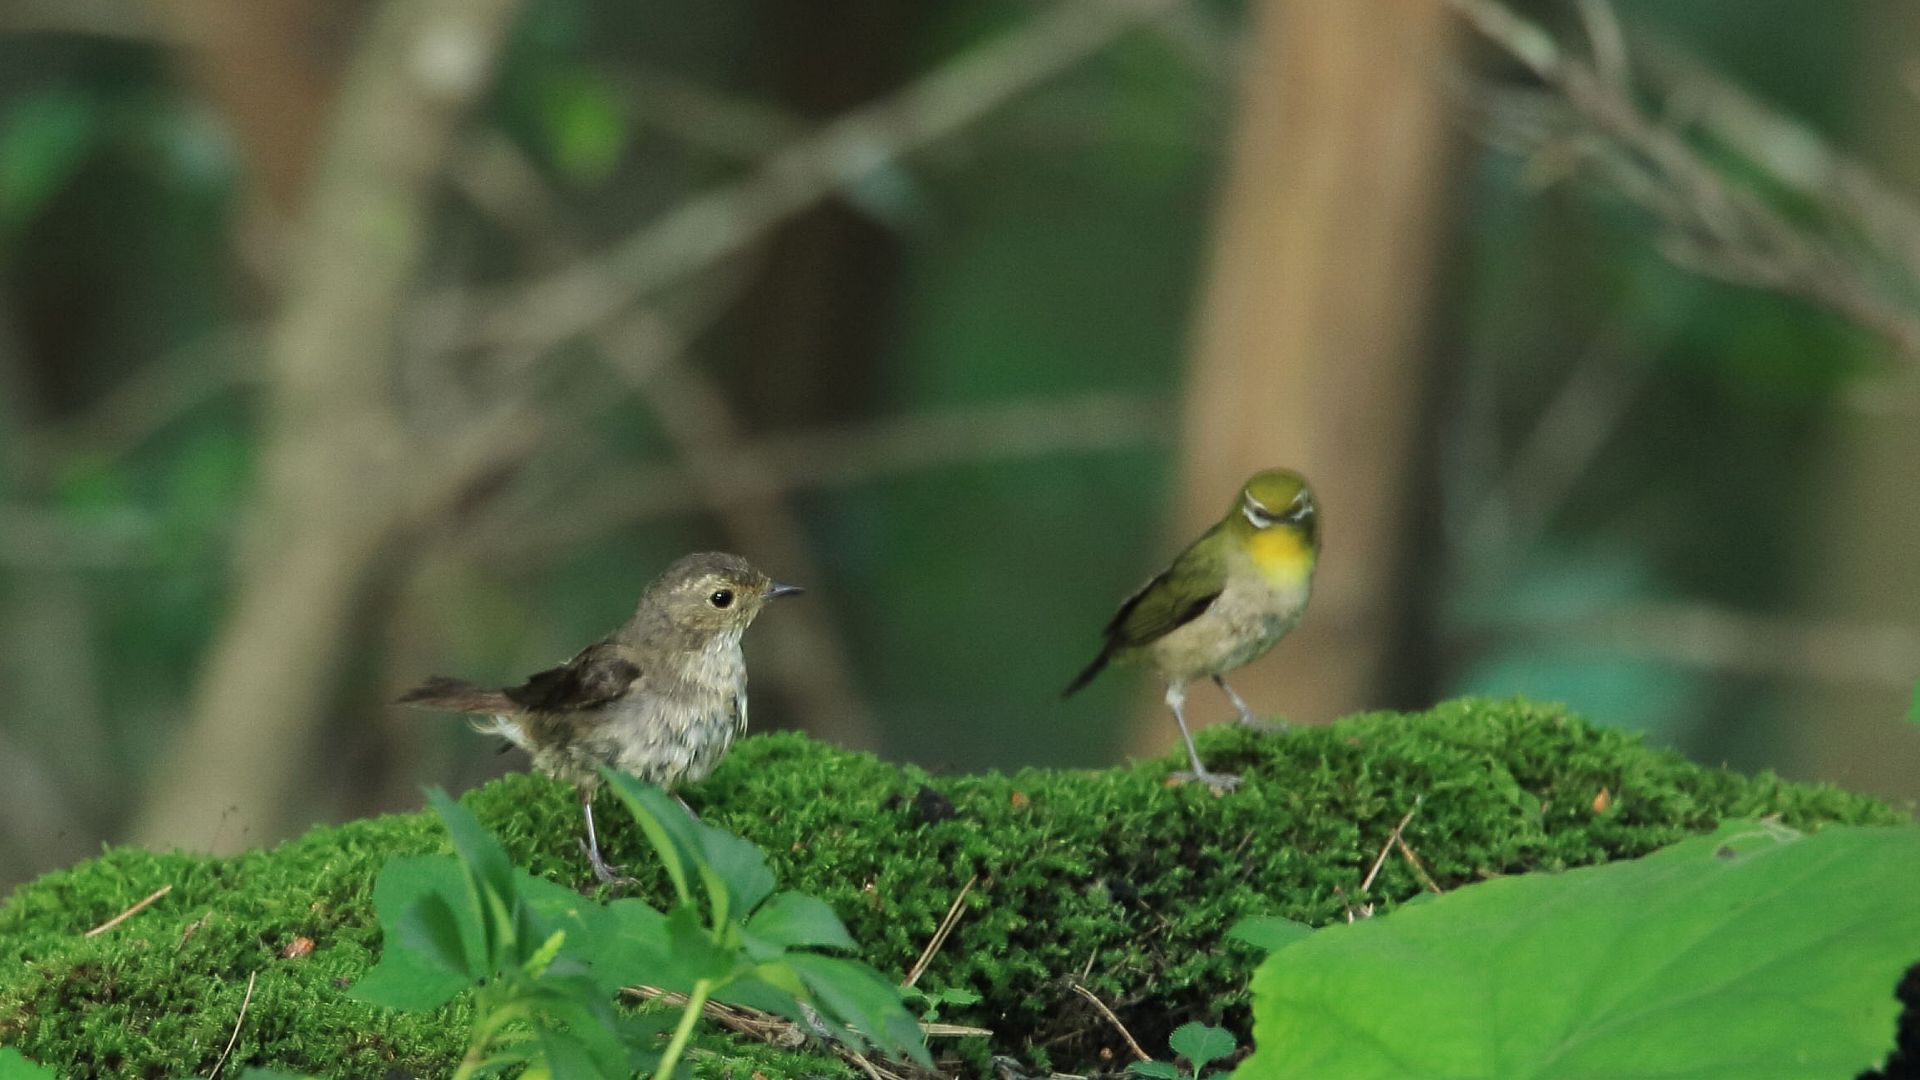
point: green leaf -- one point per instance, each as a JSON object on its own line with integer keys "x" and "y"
{"x": 667, "y": 825}
{"x": 1200, "y": 1043}
{"x": 857, "y": 996}
{"x": 1268, "y": 932}
{"x": 737, "y": 869}
{"x": 795, "y": 920}
{"x": 1755, "y": 953}
{"x": 15, "y": 1067}
{"x": 405, "y": 978}
{"x": 1154, "y": 1068}
{"x": 44, "y": 141}
{"x": 585, "y": 125}
{"x": 491, "y": 874}
{"x": 431, "y": 931}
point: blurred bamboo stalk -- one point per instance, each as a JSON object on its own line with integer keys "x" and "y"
{"x": 1307, "y": 350}
{"x": 333, "y": 488}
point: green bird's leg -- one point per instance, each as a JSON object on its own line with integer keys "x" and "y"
{"x": 1177, "y": 701}
{"x": 1246, "y": 714}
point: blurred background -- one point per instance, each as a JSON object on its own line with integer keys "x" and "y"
{"x": 344, "y": 342}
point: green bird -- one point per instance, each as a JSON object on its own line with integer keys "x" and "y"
{"x": 1225, "y": 600}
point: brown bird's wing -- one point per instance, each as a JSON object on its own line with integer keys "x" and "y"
{"x": 602, "y": 673}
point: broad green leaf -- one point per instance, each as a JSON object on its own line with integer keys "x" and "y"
{"x": 1200, "y": 1043}
{"x": 667, "y": 825}
{"x": 636, "y": 947}
{"x": 691, "y": 954}
{"x": 1268, "y": 932}
{"x": 795, "y": 920}
{"x": 15, "y": 1067}
{"x": 491, "y": 873}
{"x": 431, "y": 931}
{"x": 1159, "y": 1069}
{"x": 857, "y": 996}
{"x": 735, "y": 873}
{"x": 405, "y": 978}
{"x": 1755, "y": 953}
{"x": 402, "y": 980}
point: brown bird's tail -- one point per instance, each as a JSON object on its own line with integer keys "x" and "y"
{"x": 457, "y": 695}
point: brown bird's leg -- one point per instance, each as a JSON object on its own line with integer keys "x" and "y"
{"x": 1177, "y": 701}
{"x": 601, "y": 870}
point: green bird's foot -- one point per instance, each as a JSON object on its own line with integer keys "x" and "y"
{"x": 1220, "y": 782}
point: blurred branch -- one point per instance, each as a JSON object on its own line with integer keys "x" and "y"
{"x": 115, "y": 19}
{"x": 843, "y": 457}
{"x": 1719, "y": 639}
{"x": 1714, "y": 226}
{"x": 707, "y": 228}
{"x": 339, "y": 475}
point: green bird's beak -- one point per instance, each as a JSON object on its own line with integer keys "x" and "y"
{"x": 778, "y": 589}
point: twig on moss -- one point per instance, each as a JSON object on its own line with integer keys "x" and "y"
{"x": 130, "y": 912}
{"x": 780, "y": 1031}
{"x": 940, "y": 934}
{"x": 193, "y": 928}
{"x": 238, "y": 1020}
{"x": 1419, "y": 868}
{"x": 1374, "y": 870}
{"x": 1132, "y": 1045}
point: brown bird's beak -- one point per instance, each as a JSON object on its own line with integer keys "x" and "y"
{"x": 778, "y": 590}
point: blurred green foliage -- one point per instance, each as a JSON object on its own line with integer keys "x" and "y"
{"x": 1054, "y": 250}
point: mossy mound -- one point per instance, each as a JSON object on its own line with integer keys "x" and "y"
{"x": 1111, "y": 879}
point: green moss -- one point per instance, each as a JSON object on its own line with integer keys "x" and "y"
{"x": 1110, "y": 878}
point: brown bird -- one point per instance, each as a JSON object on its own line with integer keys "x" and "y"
{"x": 662, "y": 697}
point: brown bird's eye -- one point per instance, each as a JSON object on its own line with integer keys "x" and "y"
{"x": 721, "y": 598}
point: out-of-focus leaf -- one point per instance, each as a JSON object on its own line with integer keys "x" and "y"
{"x": 667, "y": 826}
{"x": 406, "y": 978}
{"x": 857, "y": 996}
{"x": 44, "y": 139}
{"x": 584, "y": 123}
{"x": 735, "y": 873}
{"x": 431, "y": 931}
{"x": 1268, "y": 932}
{"x": 796, "y": 920}
{"x": 1755, "y": 953}
{"x": 490, "y": 871}
{"x": 1159, "y": 1069}
{"x": 15, "y": 1067}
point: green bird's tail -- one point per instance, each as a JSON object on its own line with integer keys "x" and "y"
{"x": 1081, "y": 680}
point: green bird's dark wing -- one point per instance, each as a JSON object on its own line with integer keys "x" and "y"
{"x": 602, "y": 673}
{"x": 1175, "y": 597}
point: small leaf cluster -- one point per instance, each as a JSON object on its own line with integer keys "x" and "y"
{"x": 1200, "y": 1044}
{"x": 528, "y": 949}
{"x": 545, "y": 964}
